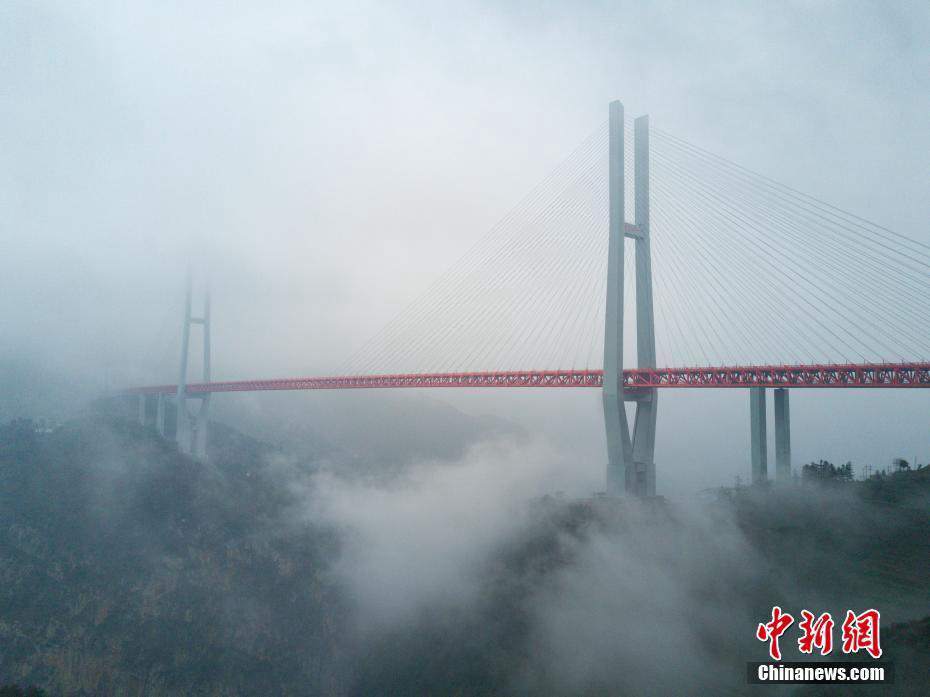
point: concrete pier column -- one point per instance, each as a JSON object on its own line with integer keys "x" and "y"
{"x": 160, "y": 416}
{"x": 201, "y": 428}
{"x": 757, "y": 435}
{"x": 142, "y": 409}
{"x": 782, "y": 436}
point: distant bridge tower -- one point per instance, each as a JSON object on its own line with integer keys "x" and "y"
{"x": 631, "y": 460}
{"x": 192, "y": 427}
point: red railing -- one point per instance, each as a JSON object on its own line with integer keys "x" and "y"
{"x": 874, "y": 375}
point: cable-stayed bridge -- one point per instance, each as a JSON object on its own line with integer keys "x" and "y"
{"x": 641, "y": 263}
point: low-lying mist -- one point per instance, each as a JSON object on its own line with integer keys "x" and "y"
{"x": 424, "y": 538}
{"x": 598, "y": 599}
{"x": 497, "y": 572}
{"x": 466, "y": 575}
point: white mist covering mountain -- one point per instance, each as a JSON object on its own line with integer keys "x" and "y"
{"x": 638, "y": 598}
{"x": 424, "y": 539}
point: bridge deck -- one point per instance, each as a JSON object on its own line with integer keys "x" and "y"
{"x": 847, "y": 375}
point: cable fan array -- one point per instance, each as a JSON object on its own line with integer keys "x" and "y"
{"x": 745, "y": 271}
{"x": 522, "y": 294}
{"x": 750, "y": 271}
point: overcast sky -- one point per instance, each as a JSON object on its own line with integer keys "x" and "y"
{"x": 327, "y": 161}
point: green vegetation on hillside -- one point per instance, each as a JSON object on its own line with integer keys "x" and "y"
{"x": 127, "y": 568}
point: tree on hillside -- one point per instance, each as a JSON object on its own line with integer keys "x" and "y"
{"x": 824, "y": 471}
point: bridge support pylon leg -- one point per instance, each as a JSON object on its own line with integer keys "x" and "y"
{"x": 644, "y": 426}
{"x": 203, "y": 414}
{"x": 619, "y": 444}
{"x": 630, "y": 461}
{"x": 758, "y": 443}
{"x": 782, "y": 436}
{"x": 191, "y": 431}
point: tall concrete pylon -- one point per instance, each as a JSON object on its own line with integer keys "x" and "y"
{"x": 191, "y": 432}
{"x": 630, "y": 461}
{"x": 758, "y": 440}
{"x": 782, "y": 435}
{"x": 161, "y": 415}
{"x": 619, "y": 445}
{"x": 758, "y": 437}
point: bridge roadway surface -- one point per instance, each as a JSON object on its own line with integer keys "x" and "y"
{"x": 840, "y": 375}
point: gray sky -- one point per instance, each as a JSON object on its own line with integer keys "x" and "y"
{"x": 327, "y": 161}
